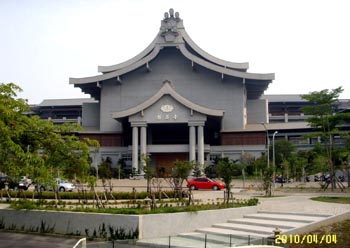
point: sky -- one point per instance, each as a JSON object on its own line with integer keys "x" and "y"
{"x": 43, "y": 43}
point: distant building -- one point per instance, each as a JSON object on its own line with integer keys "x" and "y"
{"x": 175, "y": 101}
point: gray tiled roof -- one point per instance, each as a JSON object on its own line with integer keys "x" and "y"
{"x": 273, "y": 126}
{"x": 66, "y": 102}
{"x": 284, "y": 98}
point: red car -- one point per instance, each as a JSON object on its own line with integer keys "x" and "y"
{"x": 204, "y": 183}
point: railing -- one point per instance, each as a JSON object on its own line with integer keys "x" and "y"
{"x": 207, "y": 240}
{"x": 226, "y": 241}
{"x": 82, "y": 242}
{"x": 204, "y": 240}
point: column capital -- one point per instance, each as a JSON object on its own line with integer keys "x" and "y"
{"x": 138, "y": 124}
{"x": 196, "y": 123}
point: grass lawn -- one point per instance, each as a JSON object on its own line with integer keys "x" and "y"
{"x": 335, "y": 199}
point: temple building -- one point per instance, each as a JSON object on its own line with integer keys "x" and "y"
{"x": 175, "y": 101}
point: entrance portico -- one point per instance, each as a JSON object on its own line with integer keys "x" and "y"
{"x": 167, "y": 108}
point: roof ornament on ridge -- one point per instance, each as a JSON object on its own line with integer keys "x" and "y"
{"x": 169, "y": 26}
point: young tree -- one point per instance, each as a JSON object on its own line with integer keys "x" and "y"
{"x": 148, "y": 170}
{"x": 197, "y": 171}
{"x": 266, "y": 173}
{"x": 105, "y": 172}
{"x": 326, "y": 120}
{"x": 228, "y": 169}
{"x": 298, "y": 164}
{"x": 179, "y": 173}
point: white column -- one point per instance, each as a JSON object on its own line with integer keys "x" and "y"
{"x": 135, "y": 146}
{"x": 200, "y": 145}
{"x": 143, "y": 148}
{"x": 192, "y": 144}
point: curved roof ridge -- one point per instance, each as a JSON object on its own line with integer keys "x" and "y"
{"x": 200, "y": 51}
{"x": 117, "y": 73}
{"x": 167, "y": 89}
{"x": 139, "y": 56}
{"x": 223, "y": 70}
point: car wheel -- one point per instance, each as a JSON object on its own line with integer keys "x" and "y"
{"x": 192, "y": 187}
{"x": 215, "y": 187}
{"x": 62, "y": 189}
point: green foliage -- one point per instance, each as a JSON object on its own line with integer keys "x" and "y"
{"x": 45, "y": 228}
{"x": 38, "y": 148}
{"x": 181, "y": 169}
{"x": 149, "y": 171}
{"x": 248, "y": 162}
{"x": 227, "y": 170}
{"x": 197, "y": 172}
{"x": 2, "y": 224}
{"x": 322, "y": 112}
{"x": 298, "y": 164}
{"x": 326, "y": 120}
{"x": 13, "y": 125}
{"x": 265, "y": 173}
{"x": 78, "y": 195}
{"x": 267, "y": 182}
{"x": 284, "y": 150}
{"x": 333, "y": 199}
{"x": 121, "y": 234}
{"x": 167, "y": 208}
{"x": 179, "y": 173}
{"x": 105, "y": 169}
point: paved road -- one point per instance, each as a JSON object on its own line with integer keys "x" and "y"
{"x": 14, "y": 240}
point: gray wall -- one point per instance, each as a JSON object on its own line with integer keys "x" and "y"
{"x": 173, "y": 224}
{"x": 257, "y": 111}
{"x": 150, "y": 226}
{"x": 91, "y": 116}
{"x": 197, "y": 84}
{"x": 66, "y": 222}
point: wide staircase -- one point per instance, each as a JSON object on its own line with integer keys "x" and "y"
{"x": 251, "y": 229}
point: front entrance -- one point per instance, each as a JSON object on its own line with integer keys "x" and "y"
{"x": 170, "y": 134}
{"x": 165, "y": 161}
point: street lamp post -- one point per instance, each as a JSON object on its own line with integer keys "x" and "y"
{"x": 273, "y": 158}
{"x": 267, "y": 145}
{"x": 268, "y": 155}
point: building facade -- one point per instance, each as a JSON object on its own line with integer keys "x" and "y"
{"x": 174, "y": 101}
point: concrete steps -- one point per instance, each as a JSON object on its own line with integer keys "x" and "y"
{"x": 271, "y": 223}
{"x": 285, "y": 217}
{"x": 252, "y": 228}
{"x": 256, "y": 229}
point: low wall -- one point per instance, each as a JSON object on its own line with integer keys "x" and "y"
{"x": 66, "y": 222}
{"x": 149, "y": 226}
{"x": 159, "y": 225}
